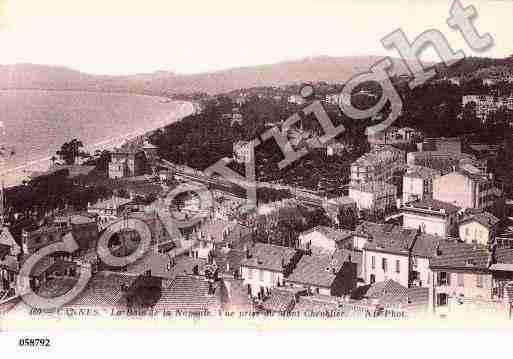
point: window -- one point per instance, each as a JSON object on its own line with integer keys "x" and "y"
{"x": 384, "y": 264}
{"x": 373, "y": 262}
{"x": 397, "y": 266}
{"x": 250, "y": 273}
{"x": 443, "y": 278}
{"x": 460, "y": 279}
{"x": 261, "y": 275}
{"x": 480, "y": 281}
{"x": 372, "y": 279}
{"x": 467, "y": 232}
{"x": 273, "y": 278}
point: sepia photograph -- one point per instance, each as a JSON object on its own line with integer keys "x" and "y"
{"x": 231, "y": 166}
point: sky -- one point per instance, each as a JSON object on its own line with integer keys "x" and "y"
{"x": 191, "y": 36}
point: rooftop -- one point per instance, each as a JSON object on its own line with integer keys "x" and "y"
{"x": 188, "y": 293}
{"x": 394, "y": 239}
{"x": 317, "y": 270}
{"x": 486, "y": 219}
{"x": 432, "y": 205}
{"x": 422, "y": 172}
{"x": 377, "y": 155}
{"x": 462, "y": 255}
{"x": 111, "y": 203}
{"x": 279, "y": 301}
{"x": 104, "y": 290}
{"x": 268, "y": 256}
{"x": 373, "y": 187}
{"x": 334, "y": 234}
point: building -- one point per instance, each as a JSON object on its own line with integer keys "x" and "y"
{"x": 127, "y": 163}
{"x": 108, "y": 209}
{"x": 395, "y": 136}
{"x": 380, "y": 164}
{"x": 485, "y": 105}
{"x": 479, "y": 228}
{"x": 445, "y": 162}
{"x": 322, "y": 240}
{"x": 335, "y": 149}
{"x": 242, "y": 151}
{"x": 392, "y": 252}
{"x": 189, "y": 294}
{"x": 440, "y": 144}
{"x": 337, "y": 98}
{"x": 390, "y": 295}
{"x": 431, "y": 216}
{"x": 83, "y": 229}
{"x": 325, "y": 274}
{"x": 465, "y": 190}
{"x": 466, "y": 274}
{"x": 266, "y": 266}
{"x": 418, "y": 183}
{"x": 374, "y": 196}
{"x": 296, "y": 99}
{"x": 9, "y": 266}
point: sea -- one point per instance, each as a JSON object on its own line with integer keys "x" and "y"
{"x": 35, "y": 123}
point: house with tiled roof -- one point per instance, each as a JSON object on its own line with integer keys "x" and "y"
{"x": 318, "y": 304}
{"x": 480, "y": 228}
{"x": 377, "y": 165}
{"x": 324, "y": 274}
{"x": 83, "y": 230}
{"x": 418, "y": 183}
{"x": 189, "y": 295}
{"x": 9, "y": 265}
{"x": 401, "y": 254}
{"x": 265, "y": 266}
{"x": 466, "y": 190}
{"x": 325, "y": 240}
{"x": 110, "y": 208}
{"x": 431, "y": 216}
{"x": 105, "y": 290}
{"x": 374, "y": 196}
{"x": 280, "y": 300}
{"x": 127, "y": 163}
{"x": 392, "y": 295}
{"x": 466, "y": 272}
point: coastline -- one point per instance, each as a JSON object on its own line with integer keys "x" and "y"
{"x": 15, "y": 176}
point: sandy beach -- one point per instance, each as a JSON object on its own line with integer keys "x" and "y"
{"x": 15, "y": 176}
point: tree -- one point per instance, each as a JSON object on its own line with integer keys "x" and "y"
{"x": 54, "y": 160}
{"x": 70, "y": 151}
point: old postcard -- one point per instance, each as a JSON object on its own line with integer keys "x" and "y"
{"x": 263, "y": 165}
